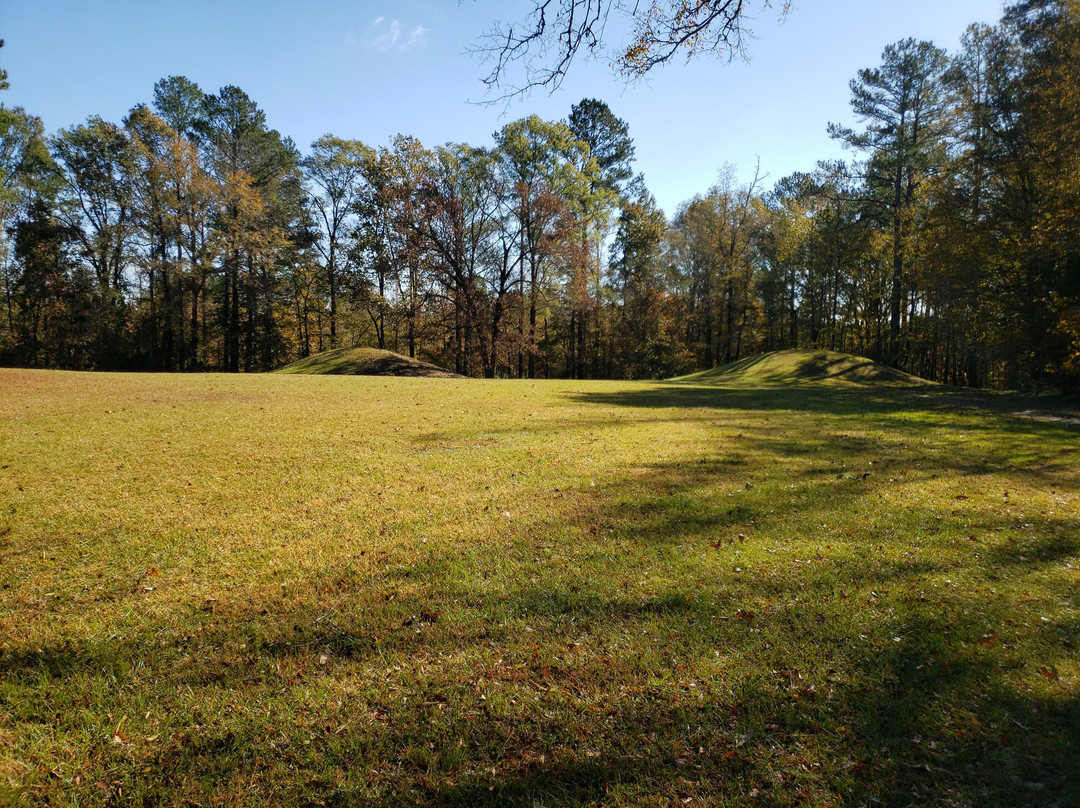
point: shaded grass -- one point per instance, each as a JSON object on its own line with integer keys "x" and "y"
{"x": 369, "y": 591}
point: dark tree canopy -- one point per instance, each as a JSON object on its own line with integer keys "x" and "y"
{"x": 545, "y": 43}
{"x": 3, "y": 74}
{"x": 608, "y": 138}
{"x": 179, "y": 101}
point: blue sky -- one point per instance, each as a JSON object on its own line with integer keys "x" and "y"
{"x": 369, "y": 70}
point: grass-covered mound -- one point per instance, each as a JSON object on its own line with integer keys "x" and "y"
{"x": 803, "y": 365}
{"x": 365, "y": 362}
{"x": 371, "y": 591}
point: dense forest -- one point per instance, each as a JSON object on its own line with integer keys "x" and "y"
{"x": 193, "y": 237}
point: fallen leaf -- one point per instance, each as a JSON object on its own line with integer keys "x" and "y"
{"x": 1049, "y": 672}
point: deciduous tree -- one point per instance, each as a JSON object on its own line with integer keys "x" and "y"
{"x": 334, "y": 171}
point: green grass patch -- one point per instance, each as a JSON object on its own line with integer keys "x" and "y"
{"x": 365, "y": 362}
{"x": 800, "y": 365}
{"x": 328, "y": 590}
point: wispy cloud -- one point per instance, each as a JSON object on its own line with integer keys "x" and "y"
{"x": 417, "y": 38}
{"x": 389, "y": 35}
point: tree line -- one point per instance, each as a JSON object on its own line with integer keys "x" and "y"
{"x": 192, "y": 236}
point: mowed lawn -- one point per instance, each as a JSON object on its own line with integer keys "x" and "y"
{"x": 314, "y": 590}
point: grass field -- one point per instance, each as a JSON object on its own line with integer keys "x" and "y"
{"x": 737, "y": 590}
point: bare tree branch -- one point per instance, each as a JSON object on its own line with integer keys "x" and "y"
{"x": 544, "y": 45}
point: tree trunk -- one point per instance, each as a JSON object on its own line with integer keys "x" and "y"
{"x": 896, "y": 298}
{"x": 331, "y": 273}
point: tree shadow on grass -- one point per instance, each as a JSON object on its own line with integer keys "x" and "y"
{"x": 773, "y": 688}
{"x": 929, "y": 719}
{"x": 640, "y": 661}
{"x": 841, "y": 399}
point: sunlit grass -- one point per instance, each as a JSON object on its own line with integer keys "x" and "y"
{"x": 364, "y": 362}
{"x": 795, "y": 366}
{"x": 368, "y": 591}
